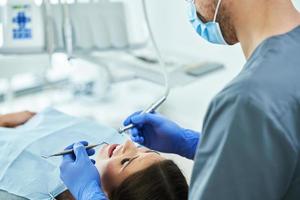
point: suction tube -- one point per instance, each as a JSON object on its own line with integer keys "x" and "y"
{"x": 162, "y": 63}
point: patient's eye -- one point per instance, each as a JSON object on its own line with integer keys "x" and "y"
{"x": 125, "y": 161}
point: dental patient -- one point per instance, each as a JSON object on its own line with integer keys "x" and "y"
{"x": 126, "y": 171}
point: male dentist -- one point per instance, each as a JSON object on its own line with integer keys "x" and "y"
{"x": 250, "y": 141}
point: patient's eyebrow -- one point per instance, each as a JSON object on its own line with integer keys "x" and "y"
{"x": 130, "y": 161}
{"x": 151, "y": 151}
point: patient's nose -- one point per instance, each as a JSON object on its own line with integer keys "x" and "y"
{"x": 129, "y": 146}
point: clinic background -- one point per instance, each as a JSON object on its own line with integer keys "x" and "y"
{"x": 133, "y": 88}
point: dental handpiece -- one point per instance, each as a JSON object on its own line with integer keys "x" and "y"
{"x": 72, "y": 151}
{"x": 152, "y": 108}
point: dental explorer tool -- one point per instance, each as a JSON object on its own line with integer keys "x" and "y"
{"x": 152, "y": 108}
{"x": 72, "y": 151}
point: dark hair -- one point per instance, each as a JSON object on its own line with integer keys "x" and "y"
{"x": 66, "y": 195}
{"x": 161, "y": 181}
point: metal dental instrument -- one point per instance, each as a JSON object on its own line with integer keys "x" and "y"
{"x": 153, "y": 107}
{"x": 72, "y": 151}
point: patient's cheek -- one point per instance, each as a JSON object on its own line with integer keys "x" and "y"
{"x": 109, "y": 176}
{"x": 111, "y": 170}
{"x": 101, "y": 166}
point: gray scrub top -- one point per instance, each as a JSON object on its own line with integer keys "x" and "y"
{"x": 251, "y": 133}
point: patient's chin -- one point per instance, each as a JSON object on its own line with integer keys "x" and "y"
{"x": 103, "y": 153}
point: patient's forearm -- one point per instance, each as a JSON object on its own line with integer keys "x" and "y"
{"x": 15, "y": 119}
{"x": 2, "y": 123}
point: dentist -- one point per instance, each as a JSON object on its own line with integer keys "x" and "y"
{"x": 250, "y": 141}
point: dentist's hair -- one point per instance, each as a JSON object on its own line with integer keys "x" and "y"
{"x": 160, "y": 181}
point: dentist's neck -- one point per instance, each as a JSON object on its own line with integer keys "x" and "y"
{"x": 256, "y": 22}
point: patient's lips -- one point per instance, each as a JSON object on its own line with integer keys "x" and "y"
{"x": 111, "y": 149}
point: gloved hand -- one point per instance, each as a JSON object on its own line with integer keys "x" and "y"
{"x": 80, "y": 175}
{"x": 158, "y": 133}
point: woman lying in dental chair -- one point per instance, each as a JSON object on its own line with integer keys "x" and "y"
{"x": 24, "y": 174}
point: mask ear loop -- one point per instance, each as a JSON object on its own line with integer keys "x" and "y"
{"x": 217, "y": 10}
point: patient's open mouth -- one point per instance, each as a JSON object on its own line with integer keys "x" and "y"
{"x": 111, "y": 149}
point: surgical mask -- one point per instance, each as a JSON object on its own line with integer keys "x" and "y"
{"x": 24, "y": 172}
{"x": 210, "y": 31}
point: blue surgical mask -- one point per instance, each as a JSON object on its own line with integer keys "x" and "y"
{"x": 210, "y": 31}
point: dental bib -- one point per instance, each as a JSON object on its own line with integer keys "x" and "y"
{"x": 24, "y": 172}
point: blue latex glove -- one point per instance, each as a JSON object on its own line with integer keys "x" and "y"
{"x": 160, "y": 134}
{"x": 80, "y": 175}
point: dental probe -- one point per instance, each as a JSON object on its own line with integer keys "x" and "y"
{"x": 72, "y": 151}
{"x": 153, "y": 107}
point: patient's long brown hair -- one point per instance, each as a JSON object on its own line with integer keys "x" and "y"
{"x": 161, "y": 181}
